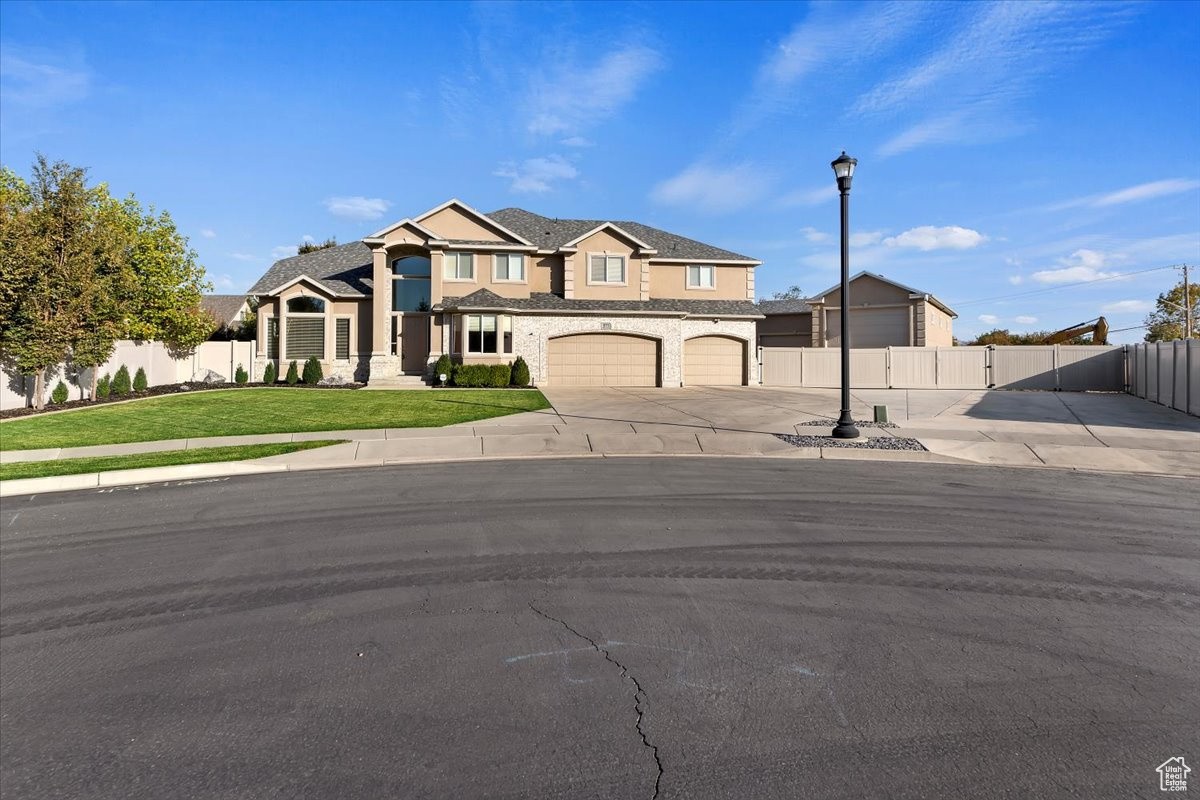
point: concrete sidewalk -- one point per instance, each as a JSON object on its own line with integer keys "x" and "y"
{"x": 1090, "y": 432}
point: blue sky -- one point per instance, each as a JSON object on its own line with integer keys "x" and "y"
{"x": 1005, "y": 149}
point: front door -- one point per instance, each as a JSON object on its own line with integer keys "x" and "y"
{"x": 414, "y": 341}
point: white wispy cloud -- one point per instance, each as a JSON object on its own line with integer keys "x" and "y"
{"x": 1082, "y": 265}
{"x": 1128, "y": 307}
{"x": 1131, "y": 194}
{"x": 996, "y": 59}
{"x": 357, "y": 207}
{"x": 1015, "y": 280}
{"x": 809, "y": 197}
{"x": 208, "y": 233}
{"x": 39, "y": 78}
{"x": 1024, "y": 319}
{"x": 283, "y": 251}
{"x": 223, "y": 281}
{"x": 535, "y": 175}
{"x": 811, "y": 234}
{"x": 990, "y": 319}
{"x": 576, "y": 141}
{"x": 865, "y": 238}
{"x": 929, "y": 237}
{"x": 568, "y": 96}
{"x": 712, "y": 189}
{"x": 244, "y": 257}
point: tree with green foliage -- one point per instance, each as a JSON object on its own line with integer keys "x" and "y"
{"x": 269, "y": 373}
{"x": 311, "y": 247}
{"x": 293, "y": 375}
{"x": 104, "y": 386}
{"x": 240, "y": 377}
{"x": 520, "y": 372}
{"x": 312, "y": 371}
{"x": 793, "y": 292}
{"x": 1003, "y": 337}
{"x": 59, "y": 395}
{"x": 120, "y": 382}
{"x": 1166, "y": 321}
{"x": 140, "y": 384}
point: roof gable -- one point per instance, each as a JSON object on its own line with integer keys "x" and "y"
{"x": 910, "y": 290}
{"x": 466, "y": 223}
{"x": 608, "y": 226}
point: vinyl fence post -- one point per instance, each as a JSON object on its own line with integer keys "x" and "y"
{"x": 1057, "y": 380}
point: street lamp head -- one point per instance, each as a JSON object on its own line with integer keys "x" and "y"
{"x": 843, "y": 168}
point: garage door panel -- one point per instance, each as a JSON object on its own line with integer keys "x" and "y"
{"x": 714, "y": 361}
{"x": 603, "y": 359}
{"x": 871, "y": 327}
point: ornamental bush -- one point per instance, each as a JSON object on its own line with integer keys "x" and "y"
{"x": 500, "y": 375}
{"x": 472, "y": 375}
{"x": 444, "y": 366}
{"x": 59, "y": 395}
{"x": 312, "y": 370}
{"x": 293, "y": 377}
{"x": 269, "y": 374}
{"x": 103, "y": 386}
{"x": 120, "y": 382}
{"x": 520, "y": 372}
{"x": 139, "y": 380}
{"x": 240, "y": 377}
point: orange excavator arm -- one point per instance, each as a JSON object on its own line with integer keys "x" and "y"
{"x": 1098, "y": 328}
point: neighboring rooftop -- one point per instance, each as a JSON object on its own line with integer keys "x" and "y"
{"x": 789, "y": 306}
{"x": 225, "y": 308}
{"x": 541, "y": 301}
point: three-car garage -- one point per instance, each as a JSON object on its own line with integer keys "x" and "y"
{"x": 622, "y": 359}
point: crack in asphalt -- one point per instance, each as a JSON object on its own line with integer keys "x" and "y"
{"x": 639, "y": 695}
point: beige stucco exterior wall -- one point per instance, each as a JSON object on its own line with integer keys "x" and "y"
{"x": 939, "y": 326}
{"x": 545, "y": 274}
{"x": 606, "y": 242}
{"x": 868, "y": 291}
{"x": 485, "y": 276}
{"x": 670, "y": 281}
{"x": 357, "y": 311}
{"x": 453, "y": 223}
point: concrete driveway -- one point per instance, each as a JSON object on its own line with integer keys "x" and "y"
{"x": 1102, "y": 431}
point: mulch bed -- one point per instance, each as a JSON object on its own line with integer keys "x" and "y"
{"x": 159, "y": 391}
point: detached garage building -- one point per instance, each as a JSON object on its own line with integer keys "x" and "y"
{"x": 883, "y": 313}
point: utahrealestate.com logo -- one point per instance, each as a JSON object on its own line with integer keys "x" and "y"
{"x": 1172, "y": 775}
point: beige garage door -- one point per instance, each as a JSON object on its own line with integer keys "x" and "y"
{"x": 714, "y": 361}
{"x": 871, "y": 327}
{"x": 603, "y": 359}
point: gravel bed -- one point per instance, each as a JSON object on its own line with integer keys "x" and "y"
{"x": 880, "y": 443}
{"x": 859, "y": 423}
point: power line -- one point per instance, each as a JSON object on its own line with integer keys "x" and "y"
{"x": 1062, "y": 286}
{"x": 1130, "y": 328}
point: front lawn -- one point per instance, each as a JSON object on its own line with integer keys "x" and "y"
{"x": 248, "y": 411}
{"x": 163, "y": 458}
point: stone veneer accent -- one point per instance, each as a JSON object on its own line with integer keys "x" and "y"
{"x": 531, "y": 335}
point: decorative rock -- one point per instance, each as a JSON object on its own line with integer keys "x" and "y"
{"x": 332, "y": 380}
{"x": 208, "y": 376}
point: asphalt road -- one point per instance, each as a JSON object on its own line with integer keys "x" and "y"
{"x": 618, "y": 628}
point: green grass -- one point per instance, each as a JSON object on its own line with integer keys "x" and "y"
{"x": 237, "y": 412}
{"x": 163, "y": 458}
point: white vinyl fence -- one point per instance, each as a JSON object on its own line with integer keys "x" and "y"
{"x": 1167, "y": 373}
{"x": 161, "y": 368}
{"x": 1061, "y": 367}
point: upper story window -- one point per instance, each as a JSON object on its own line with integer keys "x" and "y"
{"x": 701, "y": 277}
{"x": 305, "y": 305}
{"x": 410, "y": 283}
{"x": 509, "y": 267}
{"x": 415, "y": 266}
{"x": 458, "y": 266}
{"x": 606, "y": 269}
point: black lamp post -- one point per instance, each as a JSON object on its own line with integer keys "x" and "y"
{"x": 843, "y": 168}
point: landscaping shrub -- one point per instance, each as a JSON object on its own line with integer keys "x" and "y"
{"x": 59, "y": 395}
{"x": 312, "y": 370}
{"x": 103, "y": 386}
{"x": 500, "y": 375}
{"x": 139, "y": 380}
{"x": 520, "y": 372}
{"x": 472, "y": 375}
{"x": 269, "y": 375}
{"x": 120, "y": 382}
{"x": 444, "y": 366}
{"x": 293, "y": 377}
{"x": 240, "y": 377}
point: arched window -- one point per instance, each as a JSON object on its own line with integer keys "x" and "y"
{"x": 306, "y": 305}
{"x": 410, "y": 283}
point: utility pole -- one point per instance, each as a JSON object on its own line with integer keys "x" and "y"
{"x": 1187, "y": 306}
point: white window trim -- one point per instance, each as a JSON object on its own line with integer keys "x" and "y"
{"x": 687, "y": 278}
{"x": 350, "y": 344}
{"x": 466, "y": 339}
{"x": 524, "y": 268}
{"x": 587, "y": 265}
{"x": 456, "y": 254}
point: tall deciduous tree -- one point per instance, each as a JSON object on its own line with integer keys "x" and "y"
{"x": 1166, "y": 321}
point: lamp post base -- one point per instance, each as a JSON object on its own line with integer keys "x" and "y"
{"x": 845, "y": 427}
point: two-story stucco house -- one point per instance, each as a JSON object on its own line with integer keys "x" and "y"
{"x": 584, "y": 302}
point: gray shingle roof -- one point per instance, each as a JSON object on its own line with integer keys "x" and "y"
{"x": 343, "y": 270}
{"x": 554, "y": 233}
{"x": 540, "y": 301}
{"x": 224, "y": 308}
{"x": 784, "y": 307}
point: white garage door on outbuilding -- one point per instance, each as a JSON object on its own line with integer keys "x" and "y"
{"x": 871, "y": 327}
{"x": 714, "y": 361}
{"x": 603, "y": 359}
